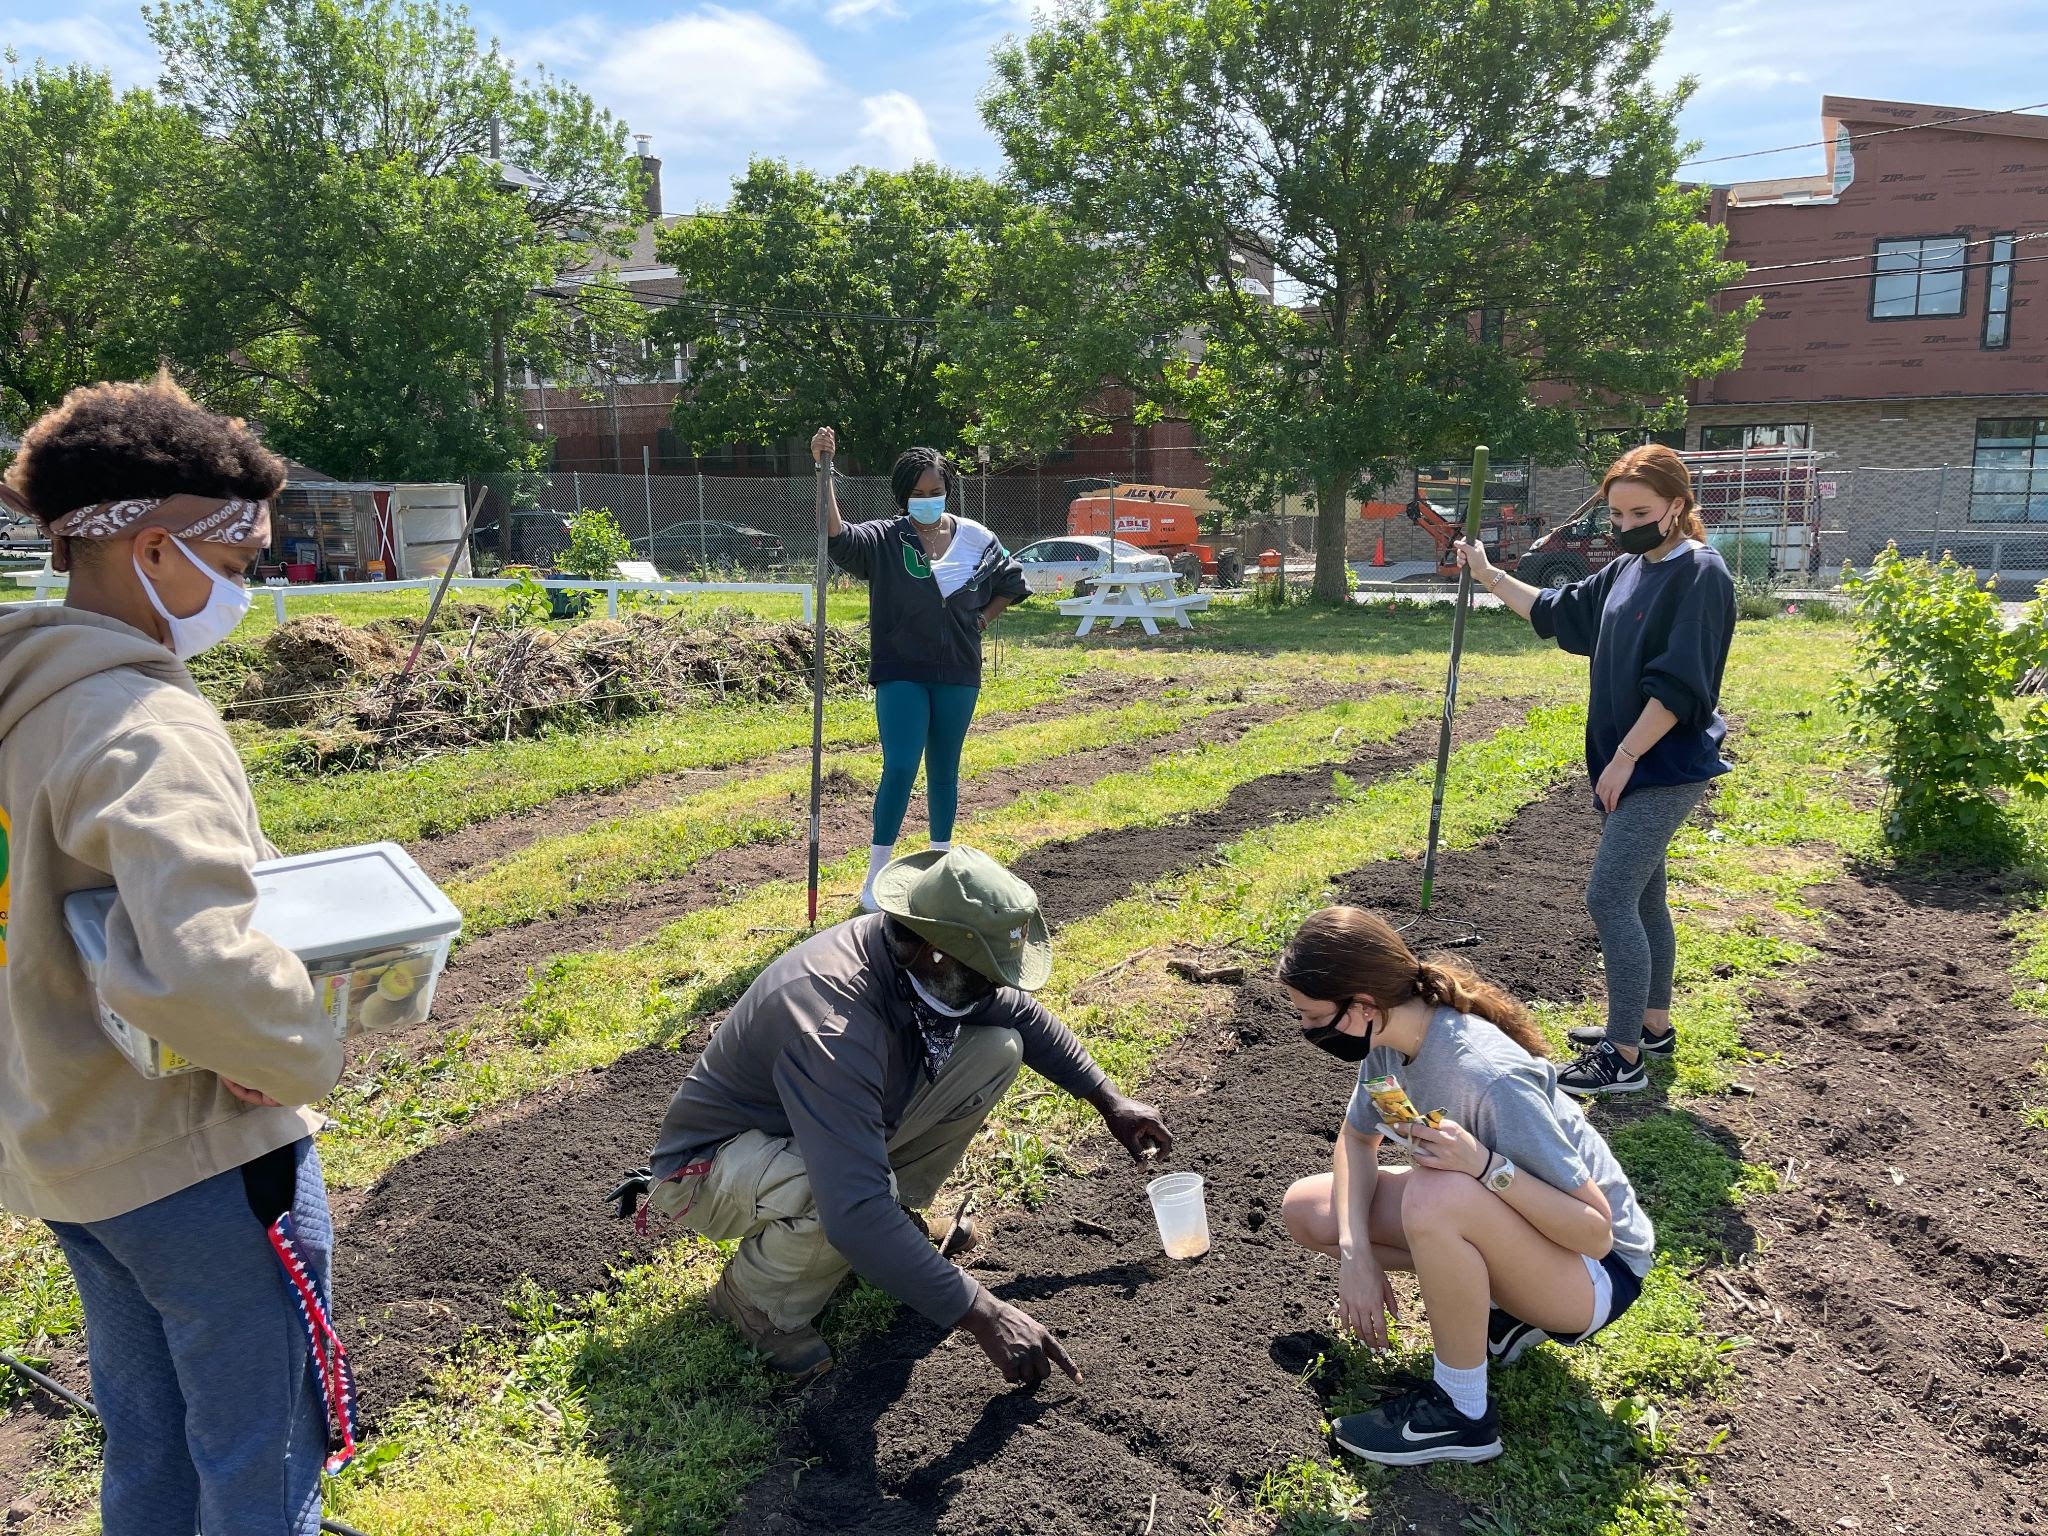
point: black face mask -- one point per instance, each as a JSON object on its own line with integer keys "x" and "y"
{"x": 1639, "y": 540}
{"x": 1351, "y": 1049}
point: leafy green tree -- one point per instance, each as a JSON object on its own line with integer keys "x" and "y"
{"x": 387, "y": 206}
{"x": 1471, "y": 212}
{"x": 860, "y": 300}
{"x": 90, "y": 185}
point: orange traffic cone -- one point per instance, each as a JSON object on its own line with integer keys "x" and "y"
{"x": 1379, "y": 549}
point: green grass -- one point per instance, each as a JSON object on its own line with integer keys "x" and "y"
{"x": 458, "y": 789}
{"x": 585, "y": 1009}
{"x": 587, "y": 869}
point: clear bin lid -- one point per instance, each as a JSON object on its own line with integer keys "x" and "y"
{"x": 320, "y": 906}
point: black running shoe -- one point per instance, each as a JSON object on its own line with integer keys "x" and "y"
{"x": 1416, "y": 1427}
{"x": 1603, "y": 1069}
{"x": 1586, "y": 1036}
{"x": 1508, "y": 1338}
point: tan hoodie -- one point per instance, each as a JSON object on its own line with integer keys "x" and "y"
{"x": 114, "y": 771}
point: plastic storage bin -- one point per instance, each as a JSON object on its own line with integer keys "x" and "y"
{"x": 372, "y": 929}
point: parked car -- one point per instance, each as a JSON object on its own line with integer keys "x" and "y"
{"x": 22, "y": 536}
{"x": 1065, "y": 565}
{"x": 712, "y": 542}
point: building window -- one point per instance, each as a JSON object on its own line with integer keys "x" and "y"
{"x": 1492, "y": 325}
{"x": 1729, "y": 439}
{"x": 1998, "y": 306}
{"x": 1620, "y": 439}
{"x": 1918, "y": 277}
{"x": 2009, "y": 482}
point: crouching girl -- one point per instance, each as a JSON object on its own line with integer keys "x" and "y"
{"x": 1512, "y": 1213}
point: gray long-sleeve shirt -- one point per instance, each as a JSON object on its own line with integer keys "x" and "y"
{"x": 823, "y": 1049}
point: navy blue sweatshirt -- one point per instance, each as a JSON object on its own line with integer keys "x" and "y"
{"x": 1655, "y": 631}
{"x": 914, "y": 634}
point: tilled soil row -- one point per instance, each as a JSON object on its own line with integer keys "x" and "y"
{"x": 1196, "y": 1373}
{"x": 494, "y": 968}
{"x": 1894, "y": 1285}
{"x": 458, "y": 852}
{"x": 433, "y": 1247}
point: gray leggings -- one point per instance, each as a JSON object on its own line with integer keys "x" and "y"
{"x": 1626, "y": 898}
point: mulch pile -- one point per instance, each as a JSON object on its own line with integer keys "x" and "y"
{"x": 338, "y": 684}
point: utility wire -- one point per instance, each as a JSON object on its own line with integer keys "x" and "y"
{"x": 1861, "y": 138}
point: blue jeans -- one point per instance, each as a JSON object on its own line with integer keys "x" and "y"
{"x": 199, "y": 1362}
{"x": 925, "y": 721}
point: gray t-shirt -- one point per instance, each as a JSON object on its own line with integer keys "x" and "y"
{"x": 1510, "y": 1101}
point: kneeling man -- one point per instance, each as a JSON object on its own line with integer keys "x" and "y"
{"x": 842, "y": 1092}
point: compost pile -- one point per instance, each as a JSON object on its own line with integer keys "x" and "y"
{"x": 339, "y": 686}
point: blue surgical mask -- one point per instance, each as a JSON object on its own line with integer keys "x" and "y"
{"x": 927, "y": 509}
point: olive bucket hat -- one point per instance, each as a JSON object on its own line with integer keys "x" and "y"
{"x": 964, "y": 904}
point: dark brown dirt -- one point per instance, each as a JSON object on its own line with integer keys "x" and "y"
{"x": 1195, "y": 1372}
{"x": 457, "y": 852}
{"x": 1897, "y": 1283}
{"x": 495, "y": 967}
{"x": 435, "y": 1245}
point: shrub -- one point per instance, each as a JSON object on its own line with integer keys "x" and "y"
{"x": 596, "y": 546}
{"x": 1931, "y": 689}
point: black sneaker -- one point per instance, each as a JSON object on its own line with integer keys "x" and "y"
{"x": 1603, "y": 1069}
{"x": 1508, "y": 1338}
{"x": 1416, "y": 1427}
{"x": 1586, "y": 1036}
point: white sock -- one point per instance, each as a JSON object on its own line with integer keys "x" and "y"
{"x": 1465, "y": 1389}
{"x": 939, "y": 847}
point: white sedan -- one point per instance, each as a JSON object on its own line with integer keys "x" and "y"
{"x": 1063, "y": 565}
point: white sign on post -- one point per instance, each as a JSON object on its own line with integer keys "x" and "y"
{"x": 638, "y": 570}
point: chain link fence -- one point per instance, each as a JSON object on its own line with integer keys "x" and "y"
{"x": 1796, "y": 536}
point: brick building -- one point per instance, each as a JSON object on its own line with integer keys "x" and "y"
{"x": 1905, "y": 323}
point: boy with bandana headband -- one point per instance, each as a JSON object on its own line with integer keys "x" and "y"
{"x": 191, "y": 1209}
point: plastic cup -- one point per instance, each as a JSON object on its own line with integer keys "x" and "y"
{"x": 1182, "y": 1214}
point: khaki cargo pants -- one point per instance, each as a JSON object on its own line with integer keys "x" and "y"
{"x": 759, "y": 1191}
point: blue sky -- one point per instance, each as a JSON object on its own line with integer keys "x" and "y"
{"x": 830, "y": 83}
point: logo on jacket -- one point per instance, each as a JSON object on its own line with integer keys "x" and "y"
{"x": 915, "y": 562}
{"x": 6, "y": 827}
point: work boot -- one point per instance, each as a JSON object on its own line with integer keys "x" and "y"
{"x": 796, "y": 1352}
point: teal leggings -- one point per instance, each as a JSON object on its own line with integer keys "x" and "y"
{"x": 928, "y": 722}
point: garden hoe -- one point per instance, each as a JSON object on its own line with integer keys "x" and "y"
{"x": 1473, "y": 506}
{"x": 818, "y": 681}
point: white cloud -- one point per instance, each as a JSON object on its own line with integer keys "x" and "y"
{"x": 120, "y": 47}
{"x": 848, "y": 13}
{"x": 693, "y": 79}
{"x": 896, "y": 130}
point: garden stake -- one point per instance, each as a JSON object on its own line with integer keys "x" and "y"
{"x": 818, "y": 682}
{"x": 1473, "y": 506}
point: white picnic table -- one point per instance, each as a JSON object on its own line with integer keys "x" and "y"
{"x": 1120, "y": 596}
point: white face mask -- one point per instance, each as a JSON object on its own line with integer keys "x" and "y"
{"x": 226, "y": 605}
{"x": 927, "y": 509}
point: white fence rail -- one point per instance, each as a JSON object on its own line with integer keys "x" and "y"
{"x": 47, "y": 581}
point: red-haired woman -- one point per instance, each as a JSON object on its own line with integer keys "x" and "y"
{"x": 1657, "y": 623}
{"x": 1514, "y": 1215}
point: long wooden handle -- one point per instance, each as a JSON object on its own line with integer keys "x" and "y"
{"x": 1475, "y": 506}
{"x": 818, "y": 683}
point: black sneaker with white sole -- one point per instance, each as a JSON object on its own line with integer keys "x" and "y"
{"x": 1603, "y": 1070}
{"x": 1419, "y": 1426}
{"x": 1508, "y": 1338}
{"x": 1586, "y": 1036}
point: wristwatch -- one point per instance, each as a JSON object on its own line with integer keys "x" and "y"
{"x": 1500, "y": 1178}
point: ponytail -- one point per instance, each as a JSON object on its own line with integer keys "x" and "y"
{"x": 1446, "y": 984}
{"x": 1343, "y": 952}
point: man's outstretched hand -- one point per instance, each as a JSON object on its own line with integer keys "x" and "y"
{"x": 1137, "y": 1126}
{"x": 1022, "y": 1348}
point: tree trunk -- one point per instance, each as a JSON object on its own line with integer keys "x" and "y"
{"x": 1333, "y": 572}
